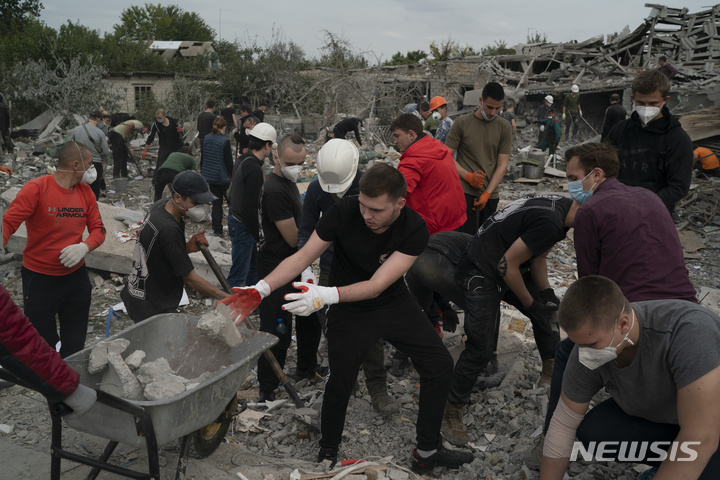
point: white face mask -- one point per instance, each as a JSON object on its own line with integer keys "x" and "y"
{"x": 291, "y": 172}
{"x": 647, "y": 114}
{"x": 198, "y": 213}
{"x": 436, "y": 115}
{"x": 592, "y": 358}
{"x": 90, "y": 175}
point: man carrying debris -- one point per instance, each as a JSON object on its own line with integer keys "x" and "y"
{"x": 243, "y": 225}
{"x": 654, "y": 150}
{"x": 24, "y": 354}
{"x": 161, "y": 264}
{"x": 279, "y": 213}
{"x": 660, "y": 362}
{"x": 506, "y": 261}
{"x": 92, "y": 137}
{"x": 666, "y": 69}
{"x": 620, "y": 233}
{"x": 573, "y": 112}
{"x": 615, "y": 113}
{"x": 119, "y": 138}
{"x": 56, "y": 210}
{"x": 342, "y": 128}
{"x": 376, "y": 240}
{"x": 170, "y": 139}
{"x": 483, "y": 142}
{"x": 438, "y": 105}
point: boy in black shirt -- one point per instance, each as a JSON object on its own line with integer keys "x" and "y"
{"x": 376, "y": 240}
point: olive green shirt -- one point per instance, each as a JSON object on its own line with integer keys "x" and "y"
{"x": 571, "y": 104}
{"x": 478, "y": 144}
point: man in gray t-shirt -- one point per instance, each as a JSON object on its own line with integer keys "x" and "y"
{"x": 660, "y": 362}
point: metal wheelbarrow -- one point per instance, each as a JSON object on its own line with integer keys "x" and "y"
{"x": 199, "y": 417}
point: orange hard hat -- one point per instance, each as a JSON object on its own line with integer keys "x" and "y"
{"x": 437, "y": 102}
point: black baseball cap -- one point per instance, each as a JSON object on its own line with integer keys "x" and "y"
{"x": 193, "y": 185}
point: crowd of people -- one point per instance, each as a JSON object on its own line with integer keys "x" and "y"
{"x": 395, "y": 247}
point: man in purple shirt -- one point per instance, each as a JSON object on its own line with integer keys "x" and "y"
{"x": 623, "y": 233}
{"x": 666, "y": 69}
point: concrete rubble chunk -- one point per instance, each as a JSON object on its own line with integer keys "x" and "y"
{"x": 164, "y": 388}
{"x": 218, "y": 324}
{"x": 7, "y": 429}
{"x": 98, "y": 358}
{"x": 118, "y": 345}
{"x": 118, "y": 380}
{"x": 135, "y": 359}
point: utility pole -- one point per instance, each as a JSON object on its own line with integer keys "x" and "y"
{"x": 220, "y": 23}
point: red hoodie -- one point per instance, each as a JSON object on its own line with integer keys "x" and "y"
{"x": 433, "y": 185}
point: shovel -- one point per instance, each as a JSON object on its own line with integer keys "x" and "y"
{"x": 242, "y": 305}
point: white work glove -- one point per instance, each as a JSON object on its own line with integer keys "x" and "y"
{"x": 73, "y": 254}
{"x": 307, "y": 276}
{"x": 542, "y": 128}
{"x": 81, "y": 400}
{"x": 312, "y": 298}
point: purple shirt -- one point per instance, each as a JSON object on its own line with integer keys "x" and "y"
{"x": 627, "y": 235}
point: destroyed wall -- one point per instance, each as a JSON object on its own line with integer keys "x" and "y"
{"x": 131, "y": 86}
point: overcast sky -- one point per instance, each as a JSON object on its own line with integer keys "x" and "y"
{"x": 385, "y": 26}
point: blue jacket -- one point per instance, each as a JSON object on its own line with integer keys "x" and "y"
{"x": 216, "y": 159}
{"x": 318, "y": 201}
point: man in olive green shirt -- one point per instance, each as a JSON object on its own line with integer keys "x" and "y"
{"x": 176, "y": 162}
{"x": 571, "y": 107}
{"x": 483, "y": 142}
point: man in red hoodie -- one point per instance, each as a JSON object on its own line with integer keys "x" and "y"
{"x": 433, "y": 186}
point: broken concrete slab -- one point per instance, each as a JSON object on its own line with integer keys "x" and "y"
{"x": 163, "y": 388}
{"x": 135, "y": 359}
{"x": 220, "y": 325}
{"x": 118, "y": 380}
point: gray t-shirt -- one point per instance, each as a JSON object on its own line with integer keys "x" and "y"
{"x": 679, "y": 343}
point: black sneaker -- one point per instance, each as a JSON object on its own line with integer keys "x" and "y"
{"x": 266, "y": 397}
{"x": 298, "y": 375}
{"x": 444, "y": 457}
{"x": 328, "y": 453}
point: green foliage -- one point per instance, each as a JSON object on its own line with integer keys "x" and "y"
{"x": 68, "y": 87}
{"x": 537, "y": 37}
{"x": 337, "y": 52}
{"x": 158, "y": 22}
{"x": 498, "y": 48}
{"x": 448, "y": 50}
{"x": 126, "y": 55}
{"x": 147, "y": 106}
{"x": 30, "y": 43}
{"x": 411, "y": 58}
{"x": 15, "y": 15}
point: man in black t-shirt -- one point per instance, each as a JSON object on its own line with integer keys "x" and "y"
{"x": 376, "y": 240}
{"x": 161, "y": 264}
{"x": 206, "y": 120}
{"x": 506, "y": 261}
{"x": 228, "y": 113}
{"x": 279, "y": 215}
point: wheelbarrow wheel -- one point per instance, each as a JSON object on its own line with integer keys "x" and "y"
{"x": 203, "y": 442}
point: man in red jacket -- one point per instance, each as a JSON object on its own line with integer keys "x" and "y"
{"x": 56, "y": 210}
{"x": 24, "y": 354}
{"x": 433, "y": 186}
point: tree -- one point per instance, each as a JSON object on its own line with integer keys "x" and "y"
{"x": 157, "y": 22}
{"x": 498, "y": 48}
{"x": 69, "y": 87}
{"x": 15, "y": 14}
{"x": 537, "y": 37}
{"x": 187, "y": 99}
{"x": 337, "y": 52}
{"x": 449, "y": 49}
{"x": 411, "y": 58}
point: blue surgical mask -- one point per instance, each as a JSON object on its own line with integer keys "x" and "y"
{"x": 577, "y": 192}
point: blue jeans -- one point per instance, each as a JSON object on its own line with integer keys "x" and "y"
{"x": 244, "y": 254}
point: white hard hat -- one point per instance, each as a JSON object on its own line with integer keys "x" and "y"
{"x": 264, "y": 131}
{"x": 549, "y": 99}
{"x": 574, "y": 89}
{"x": 337, "y": 163}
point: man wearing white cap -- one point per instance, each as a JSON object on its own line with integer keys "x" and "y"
{"x": 544, "y": 112}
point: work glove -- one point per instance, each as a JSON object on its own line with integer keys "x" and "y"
{"x": 244, "y": 300}
{"x": 73, "y": 254}
{"x": 193, "y": 245}
{"x": 563, "y": 117}
{"x": 449, "y": 319}
{"x": 476, "y": 178}
{"x": 479, "y": 204}
{"x": 312, "y": 298}
{"x": 542, "y": 128}
{"x": 144, "y": 153}
{"x": 540, "y": 309}
{"x": 6, "y": 170}
{"x": 548, "y": 296}
{"x": 81, "y": 400}
{"x": 307, "y": 276}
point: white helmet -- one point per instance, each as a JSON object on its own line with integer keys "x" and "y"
{"x": 337, "y": 163}
{"x": 264, "y": 131}
{"x": 549, "y": 99}
{"x": 574, "y": 89}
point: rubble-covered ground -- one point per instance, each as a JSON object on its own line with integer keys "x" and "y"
{"x": 504, "y": 420}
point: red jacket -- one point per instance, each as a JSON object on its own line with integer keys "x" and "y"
{"x": 433, "y": 184}
{"x": 24, "y": 353}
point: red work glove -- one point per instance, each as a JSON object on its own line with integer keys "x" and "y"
{"x": 193, "y": 244}
{"x": 6, "y": 170}
{"x": 479, "y": 204}
{"x": 476, "y": 179}
{"x": 144, "y": 153}
{"x": 244, "y": 300}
